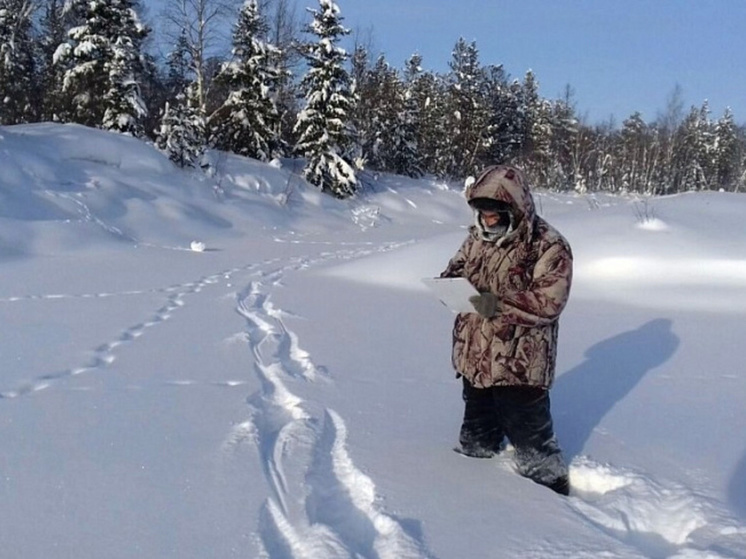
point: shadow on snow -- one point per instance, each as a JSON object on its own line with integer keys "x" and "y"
{"x": 737, "y": 488}
{"x": 612, "y": 368}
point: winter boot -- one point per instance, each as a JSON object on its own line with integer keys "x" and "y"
{"x": 475, "y": 451}
{"x": 561, "y": 485}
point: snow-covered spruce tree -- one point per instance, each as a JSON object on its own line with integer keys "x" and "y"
{"x": 103, "y": 62}
{"x": 405, "y": 158}
{"x": 729, "y": 152}
{"x": 179, "y": 68}
{"x": 536, "y": 156}
{"x": 182, "y": 132}
{"x": 323, "y": 125}
{"x": 408, "y": 159}
{"x": 638, "y": 152}
{"x": 375, "y": 112}
{"x": 569, "y": 169}
{"x": 692, "y": 162}
{"x": 124, "y": 106}
{"x": 384, "y": 117}
{"x": 248, "y": 122}
{"x": 394, "y": 142}
{"x": 17, "y": 68}
{"x": 427, "y": 94}
{"x": 467, "y": 111}
{"x": 504, "y": 124}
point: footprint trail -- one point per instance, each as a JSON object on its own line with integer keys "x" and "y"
{"x": 321, "y": 506}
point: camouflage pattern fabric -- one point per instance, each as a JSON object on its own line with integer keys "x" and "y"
{"x": 530, "y": 271}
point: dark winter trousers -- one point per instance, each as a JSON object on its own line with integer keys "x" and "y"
{"x": 522, "y": 414}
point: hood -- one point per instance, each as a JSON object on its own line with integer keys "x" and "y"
{"x": 506, "y": 184}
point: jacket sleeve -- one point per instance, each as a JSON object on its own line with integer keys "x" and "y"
{"x": 547, "y": 293}
{"x": 455, "y": 266}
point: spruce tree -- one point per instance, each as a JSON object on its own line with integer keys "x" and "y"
{"x": 408, "y": 158}
{"x": 323, "y": 126}
{"x": 728, "y": 154}
{"x": 376, "y": 114}
{"x": 637, "y": 155}
{"x": 567, "y": 164}
{"x": 467, "y": 111}
{"x": 248, "y": 122}
{"x": 124, "y": 106}
{"x": 536, "y": 157}
{"x": 505, "y": 135}
{"x": 181, "y": 135}
{"x": 179, "y": 68}
{"x": 426, "y": 92}
{"x": 17, "y": 68}
{"x": 103, "y": 64}
{"x": 405, "y": 158}
{"x": 692, "y": 161}
{"x": 392, "y": 119}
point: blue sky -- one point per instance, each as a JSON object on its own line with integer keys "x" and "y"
{"x": 618, "y": 56}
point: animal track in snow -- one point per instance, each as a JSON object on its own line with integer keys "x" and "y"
{"x": 106, "y": 353}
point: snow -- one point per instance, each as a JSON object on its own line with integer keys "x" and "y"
{"x": 239, "y": 366}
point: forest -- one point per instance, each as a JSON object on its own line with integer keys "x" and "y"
{"x": 286, "y": 86}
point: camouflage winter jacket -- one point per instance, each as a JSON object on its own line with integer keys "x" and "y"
{"x": 530, "y": 271}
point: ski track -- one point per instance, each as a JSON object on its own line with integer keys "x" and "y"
{"x": 321, "y": 506}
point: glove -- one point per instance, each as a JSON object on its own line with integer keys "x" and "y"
{"x": 485, "y": 304}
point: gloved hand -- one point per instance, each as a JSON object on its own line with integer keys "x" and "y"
{"x": 485, "y": 304}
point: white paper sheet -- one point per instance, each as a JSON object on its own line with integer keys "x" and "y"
{"x": 454, "y": 293}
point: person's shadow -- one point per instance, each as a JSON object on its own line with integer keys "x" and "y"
{"x": 582, "y": 396}
{"x": 737, "y": 488}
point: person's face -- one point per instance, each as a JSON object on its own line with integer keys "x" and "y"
{"x": 490, "y": 219}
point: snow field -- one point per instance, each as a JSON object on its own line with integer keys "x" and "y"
{"x": 285, "y": 391}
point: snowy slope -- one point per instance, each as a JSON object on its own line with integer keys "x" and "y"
{"x": 237, "y": 366}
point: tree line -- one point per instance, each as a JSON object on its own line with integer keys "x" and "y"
{"x": 289, "y": 89}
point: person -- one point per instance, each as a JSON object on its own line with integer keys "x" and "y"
{"x": 505, "y": 352}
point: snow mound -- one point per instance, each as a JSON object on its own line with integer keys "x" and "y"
{"x": 666, "y": 282}
{"x": 589, "y": 478}
{"x": 655, "y": 517}
{"x": 197, "y": 246}
{"x": 671, "y": 271}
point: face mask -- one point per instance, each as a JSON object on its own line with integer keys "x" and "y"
{"x": 501, "y": 228}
